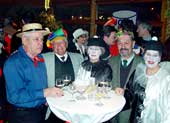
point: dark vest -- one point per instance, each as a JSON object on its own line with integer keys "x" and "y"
{"x": 63, "y": 68}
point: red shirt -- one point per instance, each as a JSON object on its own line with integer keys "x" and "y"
{"x": 114, "y": 50}
{"x": 8, "y": 43}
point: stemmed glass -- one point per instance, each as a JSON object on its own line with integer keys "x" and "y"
{"x": 102, "y": 87}
{"x": 59, "y": 83}
{"x": 72, "y": 90}
{"x": 81, "y": 90}
{"x": 101, "y": 90}
{"x": 108, "y": 90}
{"x": 66, "y": 79}
{"x": 109, "y": 87}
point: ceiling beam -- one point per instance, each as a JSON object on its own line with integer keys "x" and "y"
{"x": 34, "y": 3}
{"x": 124, "y": 1}
{"x": 99, "y": 2}
{"x": 40, "y": 3}
{"x": 70, "y": 2}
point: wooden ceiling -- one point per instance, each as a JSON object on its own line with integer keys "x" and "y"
{"x": 40, "y": 3}
{"x": 100, "y": 2}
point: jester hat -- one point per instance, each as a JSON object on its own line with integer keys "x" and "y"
{"x": 58, "y": 35}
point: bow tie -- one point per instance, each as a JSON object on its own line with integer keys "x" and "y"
{"x": 36, "y": 60}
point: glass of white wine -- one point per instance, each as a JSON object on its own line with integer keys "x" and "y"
{"x": 72, "y": 90}
{"x": 81, "y": 90}
{"x": 66, "y": 79}
{"x": 108, "y": 90}
{"x": 102, "y": 87}
{"x": 109, "y": 87}
{"x": 101, "y": 92}
{"x": 59, "y": 83}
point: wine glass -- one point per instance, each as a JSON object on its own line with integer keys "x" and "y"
{"x": 101, "y": 91}
{"x": 102, "y": 87}
{"x": 59, "y": 83}
{"x": 109, "y": 87}
{"x": 81, "y": 90}
{"x": 108, "y": 90}
{"x": 66, "y": 79}
{"x": 72, "y": 90}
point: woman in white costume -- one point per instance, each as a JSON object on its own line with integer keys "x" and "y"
{"x": 150, "y": 89}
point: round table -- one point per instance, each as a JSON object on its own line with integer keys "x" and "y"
{"x": 86, "y": 111}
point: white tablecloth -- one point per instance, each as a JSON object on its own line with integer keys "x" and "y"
{"x": 85, "y": 111}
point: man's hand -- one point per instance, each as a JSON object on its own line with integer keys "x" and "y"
{"x": 119, "y": 91}
{"x": 53, "y": 91}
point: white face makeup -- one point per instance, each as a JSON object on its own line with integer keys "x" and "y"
{"x": 94, "y": 53}
{"x": 152, "y": 58}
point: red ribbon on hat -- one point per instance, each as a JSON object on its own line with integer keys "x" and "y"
{"x": 36, "y": 60}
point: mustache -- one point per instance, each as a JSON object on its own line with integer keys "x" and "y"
{"x": 124, "y": 49}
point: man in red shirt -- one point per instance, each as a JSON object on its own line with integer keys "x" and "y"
{"x": 109, "y": 36}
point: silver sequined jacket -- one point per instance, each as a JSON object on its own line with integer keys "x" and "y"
{"x": 150, "y": 96}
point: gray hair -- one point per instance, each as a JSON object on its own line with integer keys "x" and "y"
{"x": 145, "y": 25}
{"x": 101, "y": 48}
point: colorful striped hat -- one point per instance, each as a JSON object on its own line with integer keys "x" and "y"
{"x": 59, "y": 34}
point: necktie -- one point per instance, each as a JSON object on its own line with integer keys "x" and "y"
{"x": 125, "y": 63}
{"x": 63, "y": 58}
{"x": 36, "y": 60}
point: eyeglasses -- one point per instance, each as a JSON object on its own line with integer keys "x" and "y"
{"x": 37, "y": 39}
